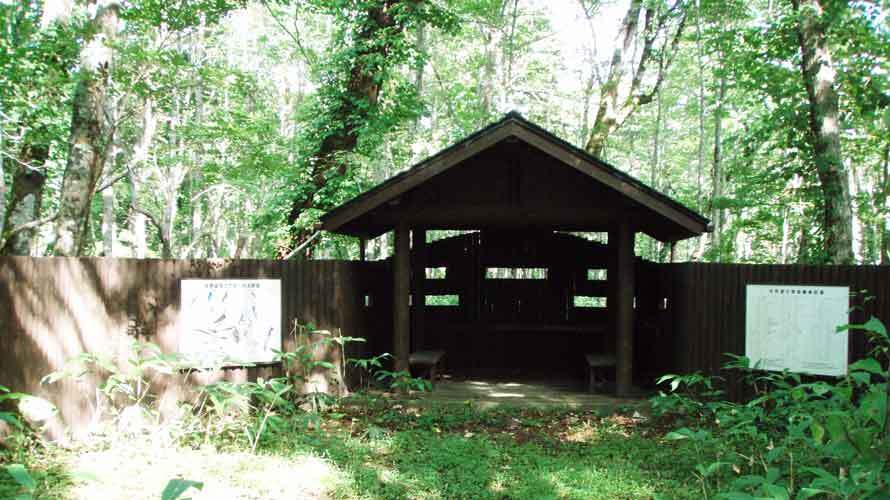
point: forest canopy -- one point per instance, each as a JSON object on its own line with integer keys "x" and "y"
{"x": 225, "y": 128}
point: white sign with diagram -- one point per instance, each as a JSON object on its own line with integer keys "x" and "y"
{"x": 227, "y": 322}
{"x": 795, "y": 328}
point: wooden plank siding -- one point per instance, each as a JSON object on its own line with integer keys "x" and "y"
{"x": 706, "y": 312}
{"x": 686, "y": 316}
{"x": 52, "y": 309}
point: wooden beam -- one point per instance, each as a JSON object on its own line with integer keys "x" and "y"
{"x": 418, "y": 279}
{"x": 623, "y": 246}
{"x": 401, "y": 291}
{"x": 362, "y": 249}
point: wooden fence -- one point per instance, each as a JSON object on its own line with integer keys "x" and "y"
{"x": 52, "y": 309}
{"x": 706, "y": 304}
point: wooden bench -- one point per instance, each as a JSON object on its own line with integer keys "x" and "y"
{"x": 428, "y": 360}
{"x": 597, "y": 361}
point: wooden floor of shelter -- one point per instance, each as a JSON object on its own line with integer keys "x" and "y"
{"x": 487, "y": 393}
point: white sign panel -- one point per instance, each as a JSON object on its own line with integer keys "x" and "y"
{"x": 795, "y": 328}
{"x": 230, "y": 321}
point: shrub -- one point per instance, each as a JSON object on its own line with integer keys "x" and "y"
{"x": 793, "y": 439}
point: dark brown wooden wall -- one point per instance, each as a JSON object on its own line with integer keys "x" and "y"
{"x": 52, "y": 309}
{"x": 706, "y": 304}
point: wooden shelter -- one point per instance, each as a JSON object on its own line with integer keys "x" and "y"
{"x": 518, "y": 278}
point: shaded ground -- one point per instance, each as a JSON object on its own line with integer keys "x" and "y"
{"x": 487, "y": 394}
{"x": 369, "y": 447}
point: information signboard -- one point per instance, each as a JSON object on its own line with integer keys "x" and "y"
{"x": 230, "y": 321}
{"x": 795, "y": 328}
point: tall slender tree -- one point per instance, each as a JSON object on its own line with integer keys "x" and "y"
{"x": 819, "y": 79}
{"x": 625, "y": 88}
{"x": 373, "y": 41}
{"x": 90, "y": 129}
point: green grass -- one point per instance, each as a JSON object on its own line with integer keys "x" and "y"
{"x": 379, "y": 449}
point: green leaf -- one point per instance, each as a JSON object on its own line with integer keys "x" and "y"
{"x": 818, "y": 432}
{"x": 869, "y": 365}
{"x": 21, "y": 476}
{"x": 678, "y": 434}
{"x": 835, "y": 426}
{"x": 875, "y": 325}
{"x": 734, "y": 495}
{"x": 776, "y": 492}
{"x": 805, "y": 493}
{"x": 861, "y": 378}
{"x": 176, "y": 487}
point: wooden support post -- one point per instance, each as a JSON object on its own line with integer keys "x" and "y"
{"x": 418, "y": 279}
{"x": 362, "y": 249}
{"x": 401, "y": 320}
{"x": 624, "y": 308}
{"x": 673, "y": 251}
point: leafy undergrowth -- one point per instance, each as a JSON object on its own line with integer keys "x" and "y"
{"x": 378, "y": 448}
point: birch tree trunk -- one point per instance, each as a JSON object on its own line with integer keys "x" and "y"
{"x": 656, "y": 158}
{"x": 717, "y": 167}
{"x": 824, "y": 134}
{"x": 109, "y": 228}
{"x": 700, "y": 170}
{"x": 621, "y": 93}
{"x": 89, "y": 132}
{"x": 139, "y": 243}
{"x": 700, "y": 173}
{"x": 786, "y": 235}
{"x": 884, "y": 227}
{"x": 26, "y": 200}
{"x": 2, "y": 173}
{"x": 607, "y": 112}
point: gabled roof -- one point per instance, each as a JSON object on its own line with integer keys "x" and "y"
{"x": 513, "y": 126}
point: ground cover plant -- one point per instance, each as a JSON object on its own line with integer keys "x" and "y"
{"x": 269, "y": 438}
{"x": 795, "y": 438}
{"x": 374, "y": 446}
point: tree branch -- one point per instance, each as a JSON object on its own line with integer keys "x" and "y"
{"x": 28, "y": 225}
{"x": 112, "y": 182}
{"x": 294, "y": 35}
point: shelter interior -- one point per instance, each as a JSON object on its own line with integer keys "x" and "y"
{"x": 528, "y": 305}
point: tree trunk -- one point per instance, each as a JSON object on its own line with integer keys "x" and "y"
{"x": 656, "y": 158}
{"x": 884, "y": 227}
{"x": 419, "y": 69}
{"x": 109, "y": 228}
{"x": 25, "y": 201}
{"x": 2, "y": 173}
{"x": 824, "y": 137}
{"x": 717, "y": 168}
{"x": 89, "y": 132}
{"x": 786, "y": 235}
{"x": 607, "y": 112}
{"x": 355, "y": 105}
{"x": 620, "y": 94}
{"x": 486, "y": 81}
{"x": 700, "y": 173}
{"x": 138, "y": 235}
